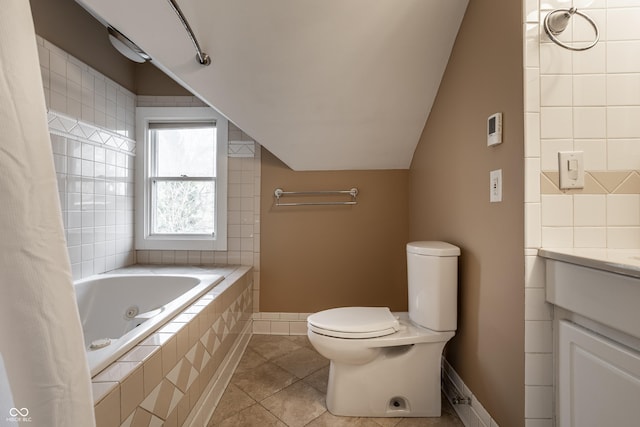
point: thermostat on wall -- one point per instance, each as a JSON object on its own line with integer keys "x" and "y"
{"x": 494, "y": 129}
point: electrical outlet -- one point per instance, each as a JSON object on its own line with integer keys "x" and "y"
{"x": 495, "y": 186}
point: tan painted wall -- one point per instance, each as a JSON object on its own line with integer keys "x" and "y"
{"x": 68, "y": 26}
{"x": 313, "y": 258}
{"x": 150, "y": 80}
{"x": 449, "y": 200}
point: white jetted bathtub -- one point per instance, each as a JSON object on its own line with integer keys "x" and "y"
{"x": 118, "y": 311}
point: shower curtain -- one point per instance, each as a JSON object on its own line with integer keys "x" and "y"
{"x": 41, "y": 340}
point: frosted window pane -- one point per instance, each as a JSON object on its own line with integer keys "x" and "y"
{"x": 185, "y": 152}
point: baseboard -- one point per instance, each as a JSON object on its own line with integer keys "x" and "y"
{"x": 206, "y": 405}
{"x": 471, "y": 411}
{"x": 270, "y": 323}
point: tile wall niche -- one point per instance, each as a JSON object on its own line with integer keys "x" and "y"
{"x": 91, "y": 121}
{"x": 576, "y": 101}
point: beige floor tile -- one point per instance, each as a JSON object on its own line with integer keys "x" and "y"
{"x": 263, "y": 381}
{"x": 301, "y": 340}
{"x": 296, "y": 405}
{"x": 329, "y": 420}
{"x": 387, "y": 422}
{"x": 444, "y": 421}
{"x": 269, "y": 373}
{"x": 254, "y": 416}
{"x": 250, "y": 360}
{"x": 301, "y": 362}
{"x": 272, "y": 346}
{"x": 232, "y": 402}
{"x": 319, "y": 379}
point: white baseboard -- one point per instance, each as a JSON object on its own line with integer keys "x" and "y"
{"x": 453, "y": 387}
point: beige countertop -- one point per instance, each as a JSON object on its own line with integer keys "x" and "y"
{"x": 620, "y": 261}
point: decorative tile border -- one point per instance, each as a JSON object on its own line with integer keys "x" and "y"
{"x": 65, "y": 126}
{"x": 160, "y": 381}
{"x": 601, "y": 182}
{"x": 242, "y": 149}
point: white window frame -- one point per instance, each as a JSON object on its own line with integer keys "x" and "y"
{"x": 144, "y": 240}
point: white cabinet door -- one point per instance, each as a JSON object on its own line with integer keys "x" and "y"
{"x": 598, "y": 380}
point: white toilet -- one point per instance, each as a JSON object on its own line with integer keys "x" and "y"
{"x": 387, "y": 364}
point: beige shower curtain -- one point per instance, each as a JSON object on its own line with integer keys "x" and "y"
{"x": 40, "y": 335}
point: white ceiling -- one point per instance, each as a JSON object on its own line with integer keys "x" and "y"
{"x": 322, "y": 84}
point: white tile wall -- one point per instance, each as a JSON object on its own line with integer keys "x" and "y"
{"x": 587, "y": 101}
{"x": 95, "y": 183}
{"x": 90, "y": 119}
{"x": 77, "y": 90}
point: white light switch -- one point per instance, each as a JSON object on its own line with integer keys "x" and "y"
{"x": 571, "y": 168}
{"x": 495, "y": 186}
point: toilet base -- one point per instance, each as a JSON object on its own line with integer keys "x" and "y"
{"x": 403, "y": 381}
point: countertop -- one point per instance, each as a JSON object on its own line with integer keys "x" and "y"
{"x": 620, "y": 261}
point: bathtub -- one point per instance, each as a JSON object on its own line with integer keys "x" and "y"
{"x": 118, "y": 311}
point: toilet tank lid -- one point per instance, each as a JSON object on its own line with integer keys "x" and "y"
{"x": 433, "y": 248}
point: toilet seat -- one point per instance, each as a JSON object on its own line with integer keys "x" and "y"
{"x": 354, "y": 322}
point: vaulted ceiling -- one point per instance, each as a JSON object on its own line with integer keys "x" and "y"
{"x": 322, "y": 84}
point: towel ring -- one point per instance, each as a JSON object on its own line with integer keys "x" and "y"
{"x": 562, "y": 22}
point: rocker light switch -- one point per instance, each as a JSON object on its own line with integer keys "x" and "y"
{"x": 571, "y": 168}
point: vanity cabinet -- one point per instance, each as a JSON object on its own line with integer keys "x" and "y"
{"x": 598, "y": 380}
{"x": 596, "y": 298}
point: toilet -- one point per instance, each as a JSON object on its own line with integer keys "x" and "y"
{"x": 386, "y": 364}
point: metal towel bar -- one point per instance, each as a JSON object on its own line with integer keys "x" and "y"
{"x": 279, "y": 192}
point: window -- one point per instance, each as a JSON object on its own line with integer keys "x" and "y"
{"x": 181, "y": 171}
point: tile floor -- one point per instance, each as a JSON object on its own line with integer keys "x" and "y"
{"x": 281, "y": 381}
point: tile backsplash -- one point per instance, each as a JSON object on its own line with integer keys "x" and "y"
{"x": 588, "y": 101}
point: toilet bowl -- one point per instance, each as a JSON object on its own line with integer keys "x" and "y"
{"x": 386, "y": 364}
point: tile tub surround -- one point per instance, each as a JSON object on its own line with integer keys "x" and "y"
{"x": 94, "y": 169}
{"x": 91, "y": 122}
{"x": 92, "y": 143}
{"x": 179, "y": 367}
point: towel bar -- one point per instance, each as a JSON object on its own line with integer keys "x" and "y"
{"x": 279, "y": 192}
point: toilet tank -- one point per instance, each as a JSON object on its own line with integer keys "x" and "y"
{"x": 432, "y": 269}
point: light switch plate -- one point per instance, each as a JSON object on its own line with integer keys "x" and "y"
{"x": 571, "y": 168}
